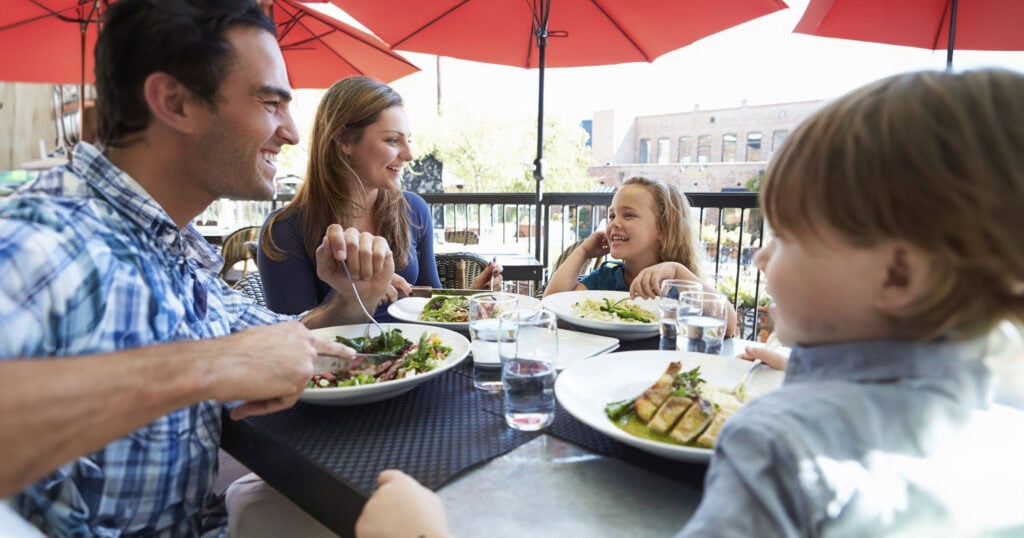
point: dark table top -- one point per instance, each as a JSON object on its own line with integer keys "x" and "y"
{"x": 326, "y": 459}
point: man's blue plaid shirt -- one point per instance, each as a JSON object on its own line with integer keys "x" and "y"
{"x": 92, "y": 264}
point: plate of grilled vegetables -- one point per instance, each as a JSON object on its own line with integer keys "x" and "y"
{"x": 669, "y": 403}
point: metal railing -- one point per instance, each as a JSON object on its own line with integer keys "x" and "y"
{"x": 730, "y": 224}
{"x": 731, "y": 231}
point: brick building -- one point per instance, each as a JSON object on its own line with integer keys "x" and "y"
{"x": 701, "y": 150}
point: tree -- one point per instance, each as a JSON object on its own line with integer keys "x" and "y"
{"x": 497, "y": 155}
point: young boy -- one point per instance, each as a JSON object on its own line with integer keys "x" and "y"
{"x": 897, "y": 211}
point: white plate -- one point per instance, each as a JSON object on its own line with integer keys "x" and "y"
{"x": 562, "y": 305}
{"x": 410, "y": 308}
{"x": 381, "y": 391}
{"x": 574, "y": 346}
{"x": 586, "y": 387}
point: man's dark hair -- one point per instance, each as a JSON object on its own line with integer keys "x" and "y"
{"x": 183, "y": 38}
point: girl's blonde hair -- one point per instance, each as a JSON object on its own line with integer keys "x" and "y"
{"x": 672, "y": 209}
{"x": 931, "y": 158}
{"x": 331, "y": 189}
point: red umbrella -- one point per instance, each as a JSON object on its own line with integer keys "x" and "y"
{"x": 320, "y": 49}
{"x": 582, "y": 32}
{"x": 52, "y": 41}
{"x": 929, "y": 24}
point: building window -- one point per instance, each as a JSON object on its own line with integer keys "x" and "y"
{"x": 778, "y": 137}
{"x": 703, "y": 148}
{"x": 645, "y": 150}
{"x": 729, "y": 148}
{"x": 753, "y": 147}
{"x": 685, "y": 149}
{"x": 663, "y": 150}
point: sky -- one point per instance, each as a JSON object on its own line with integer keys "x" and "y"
{"x": 761, "y": 62}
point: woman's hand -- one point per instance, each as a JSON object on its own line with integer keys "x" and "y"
{"x": 399, "y": 288}
{"x": 490, "y": 279}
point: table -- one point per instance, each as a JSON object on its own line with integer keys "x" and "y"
{"x": 454, "y": 439}
{"x": 515, "y": 265}
{"x": 215, "y": 235}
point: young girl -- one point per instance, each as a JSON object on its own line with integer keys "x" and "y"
{"x": 649, "y": 231}
{"x": 898, "y": 226}
{"x": 358, "y": 147}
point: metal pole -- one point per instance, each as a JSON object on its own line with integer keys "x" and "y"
{"x": 952, "y": 37}
{"x": 538, "y": 164}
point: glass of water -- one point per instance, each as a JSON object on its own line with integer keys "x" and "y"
{"x": 483, "y": 333}
{"x": 528, "y": 345}
{"x": 668, "y": 304}
{"x": 702, "y": 316}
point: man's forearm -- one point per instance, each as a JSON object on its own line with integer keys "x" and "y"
{"x": 54, "y": 410}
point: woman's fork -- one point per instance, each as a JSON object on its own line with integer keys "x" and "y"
{"x": 359, "y": 299}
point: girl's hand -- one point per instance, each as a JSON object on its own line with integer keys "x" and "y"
{"x": 596, "y": 244}
{"x": 647, "y": 283}
{"x": 484, "y": 280}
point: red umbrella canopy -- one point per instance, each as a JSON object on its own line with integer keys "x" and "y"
{"x": 980, "y": 24}
{"x": 320, "y": 49}
{"x": 42, "y": 41}
{"x": 583, "y": 32}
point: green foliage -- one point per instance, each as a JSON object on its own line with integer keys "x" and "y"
{"x": 745, "y": 294}
{"x": 497, "y": 155}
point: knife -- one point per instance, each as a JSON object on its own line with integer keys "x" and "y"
{"x": 427, "y": 291}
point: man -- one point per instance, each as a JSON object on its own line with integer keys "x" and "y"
{"x": 99, "y": 261}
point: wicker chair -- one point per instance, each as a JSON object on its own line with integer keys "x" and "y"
{"x": 466, "y": 237}
{"x": 457, "y": 270}
{"x": 589, "y": 265}
{"x": 251, "y": 285}
{"x": 237, "y": 248}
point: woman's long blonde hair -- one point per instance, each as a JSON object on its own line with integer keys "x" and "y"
{"x": 672, "y": 209}
{"x": 331, "y": 190}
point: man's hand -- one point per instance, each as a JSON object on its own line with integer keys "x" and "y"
{"x": 267, "y": 367}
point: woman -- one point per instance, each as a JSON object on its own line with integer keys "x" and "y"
{"x": 358, "y": 148}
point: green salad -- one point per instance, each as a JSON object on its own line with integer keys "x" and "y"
{"x": 401, "y": 358}
{"x": 447, "y": 309}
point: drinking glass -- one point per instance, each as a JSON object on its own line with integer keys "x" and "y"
{"x": 702, "y": 317}
{"x": 668, "y": 305}
{"x": 483, "y": 333}
{"x": 528, "y": 345}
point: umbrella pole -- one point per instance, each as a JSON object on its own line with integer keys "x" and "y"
{"x": 952, "y": 37}
{"x": 541, "y": 22}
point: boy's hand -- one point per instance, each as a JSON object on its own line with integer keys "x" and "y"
{"x": 769, "y": 357}
{"x": 401, "y": 507}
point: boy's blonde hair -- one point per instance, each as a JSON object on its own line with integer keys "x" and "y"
{"x": 931, "y": 158}
{"x": 678, "y": 240}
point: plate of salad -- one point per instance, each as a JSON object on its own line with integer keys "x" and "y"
{"x": 448, "y": 311}
{"x": 611, "y": 313}
{"x": 401, "y": 359}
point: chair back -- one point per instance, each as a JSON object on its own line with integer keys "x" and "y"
{"x": 457, "y": 270}
{"x": 466, "y": 237}
{"x": 237, "y": 247}
{"x": 589, "y": 265}
{"x": 251, "y": 285}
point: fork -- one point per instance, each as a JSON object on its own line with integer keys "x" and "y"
{"x": 359, "y": 300}
{"x": 771, "y": 343}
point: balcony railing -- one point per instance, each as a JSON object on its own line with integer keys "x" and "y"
{"x": 730, "y": 224}
{"x": 731, "y": 231}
